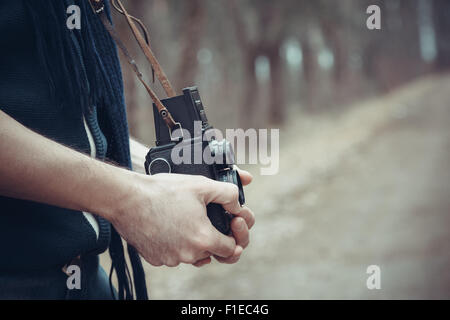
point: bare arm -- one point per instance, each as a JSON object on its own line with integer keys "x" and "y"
{"x": 163, "y": 216}
{"x": 35, "y": 168}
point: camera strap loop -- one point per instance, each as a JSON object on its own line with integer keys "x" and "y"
{"x": 99, "y": 8}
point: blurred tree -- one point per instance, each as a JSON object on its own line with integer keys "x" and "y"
{"x": 265, "y": 40}
{"x": 310, "y": 69}
{"x": 250, "y": 52}
{"x": 191, "y": 36}
{"x": 391, "y": 56}
{"x": 300, "y": 20}
{"x": 327, "y": 53}
{"x": 442, "y": 27}
{"x": 332, "y": 24}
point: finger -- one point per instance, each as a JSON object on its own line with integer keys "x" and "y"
{"x": 234, "y": 258}
{"x": 202, "y": 256}
{"x": 246, "y": 177}
{"x": 221, "y": 245}
{"x": 223, "y": 193}
{"x": 248, "y": 216}
{"x": 240, "y": 232}
{"x": 202, "y": 262}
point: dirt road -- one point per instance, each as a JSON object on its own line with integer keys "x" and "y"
{"x": 368, "y": 187}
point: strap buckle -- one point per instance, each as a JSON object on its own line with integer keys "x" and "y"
{"x": 178, "y": 138}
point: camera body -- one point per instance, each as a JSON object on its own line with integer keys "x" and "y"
{"x": 192, "y": 149}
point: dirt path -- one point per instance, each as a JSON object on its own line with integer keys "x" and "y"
{"x": 369, "y": 187}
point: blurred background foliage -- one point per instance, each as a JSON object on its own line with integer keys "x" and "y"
{"x": 257, "y": 61}
{"x": 364, "y": 124}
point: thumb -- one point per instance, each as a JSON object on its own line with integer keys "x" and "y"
{"x": 224, "y": 193}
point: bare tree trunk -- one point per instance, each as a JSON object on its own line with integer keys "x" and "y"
{"x": 250, "y": 52}
{"x": 250, "y": 93}
{"x": 277, "y": 101}
{"x": 192, "y": 30}
{"x": 309, "y": 72}
{"x": 333, "y": 39}
{"x": 442, "y": 26}
{"x": 268, "y": 44}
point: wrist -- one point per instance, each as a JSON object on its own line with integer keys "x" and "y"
{"x": 111, "y": 191}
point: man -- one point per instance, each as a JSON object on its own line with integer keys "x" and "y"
{"x": 61, "y": 106}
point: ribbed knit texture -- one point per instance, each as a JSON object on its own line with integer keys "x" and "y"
{"x": 101, "y": 146}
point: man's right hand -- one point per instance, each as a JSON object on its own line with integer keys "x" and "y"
{"x": 164, "y": 218}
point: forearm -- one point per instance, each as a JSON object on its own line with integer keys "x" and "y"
{"x": 163, "y": 216}
{"x": 35, "y": 168}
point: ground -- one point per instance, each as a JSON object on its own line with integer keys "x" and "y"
{"x": 366, "y": 186}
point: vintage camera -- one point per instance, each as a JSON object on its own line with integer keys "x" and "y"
{"x": 192, "y": 144}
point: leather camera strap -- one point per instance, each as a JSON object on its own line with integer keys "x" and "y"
{"x": 99, "y": 8}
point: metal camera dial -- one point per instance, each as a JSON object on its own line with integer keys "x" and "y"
{"x": 222, "y": 148}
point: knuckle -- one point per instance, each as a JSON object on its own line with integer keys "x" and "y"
{"x": 253, "y": 217}
{"x": 230, "y": 251}
{"x": 204, "y": 232}
{"x": 156, "y": 263}
{"x": 203, "y": 179}
{"x": 201, "y": 241}
{"x": 200, "y": 185}
{"x": 200, "y": 181}
{"x": 170, "y": 262}
{"x": 251, "y": 214}
{"x": 234, "y": 260}
{"x": 188, "y": 258}
{"x": 234, "y": 192}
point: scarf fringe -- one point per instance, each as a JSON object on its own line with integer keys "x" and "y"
{"x": 83, "y": 71}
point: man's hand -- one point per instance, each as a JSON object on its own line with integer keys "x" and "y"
{"x": 240, "y": 225}
{"x": 164, "y": 217}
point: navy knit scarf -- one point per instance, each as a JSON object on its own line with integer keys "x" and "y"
{"x": 83, "y": 70}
